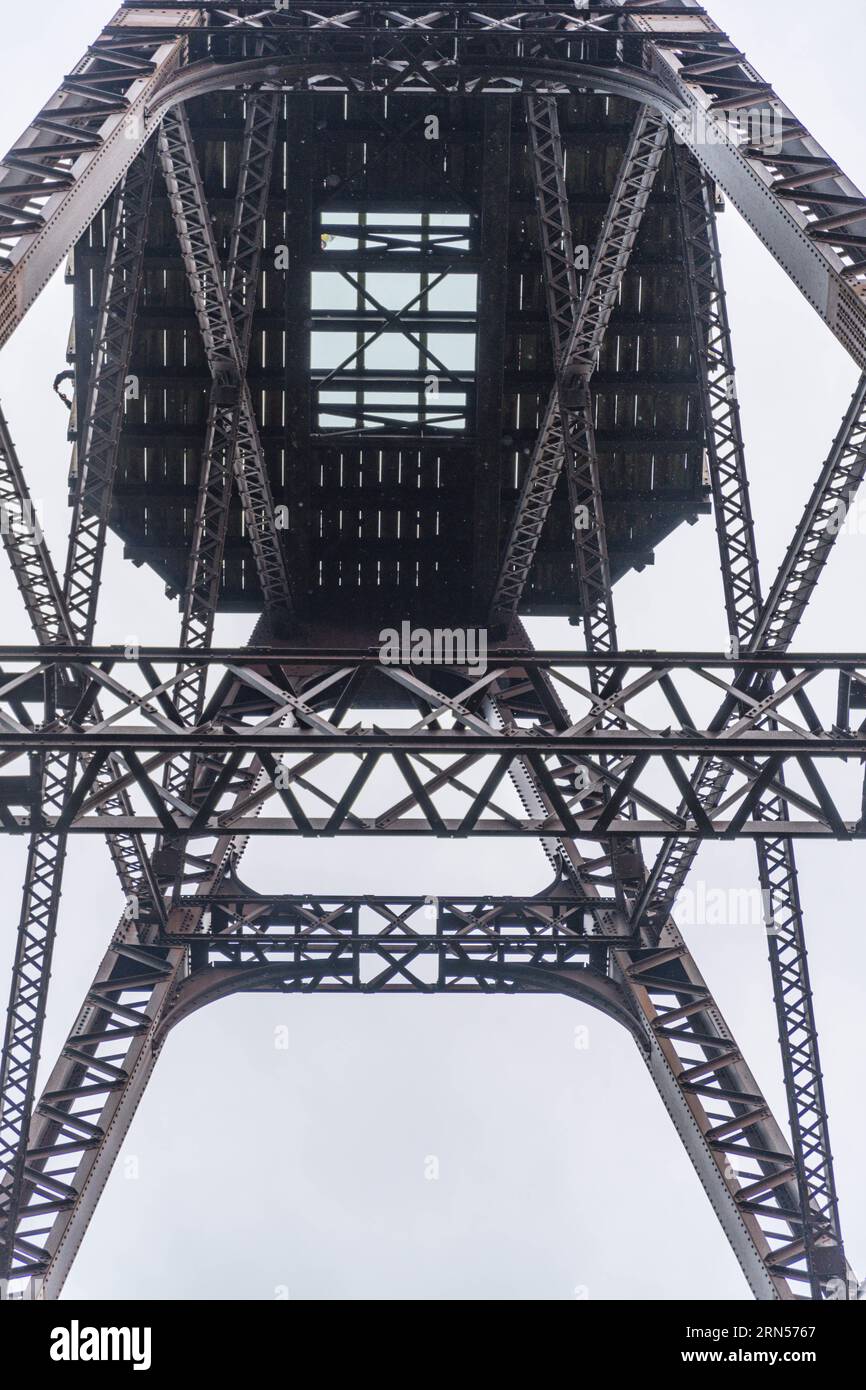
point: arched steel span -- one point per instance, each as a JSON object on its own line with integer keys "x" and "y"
{"x": 585, "y": 984}
{"x": 808, "y": 254}
{"x": 841, "y": 308}
{"x": 36, "y": 259}
{"x": 530, "y": 75}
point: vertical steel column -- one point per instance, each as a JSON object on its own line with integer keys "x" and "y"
{"x": 130, "y": 968}
{"x": 793, "y": 588}
{"x": 99, "y": 441}
{"x": 225, "y": 314}
{"x": 223, "y": 348}
{"x": 28, "y": 998}
{"x": 819, "y": 1228}
{"x": 98, "y": 448}
{"x": 690, "y": 1007}
{"x": 83, "y": 1114}
{"x": 46, "y": 607}
{"x": 681, "y": 1016}
{"x": 720, "y": 1114}
{"x": 572, "y": 378}
{"x": 577, "y": 337}
{"x": 31, "y": 564}
{"x": 579, "y": 352}
{"x": 489, "y": 386}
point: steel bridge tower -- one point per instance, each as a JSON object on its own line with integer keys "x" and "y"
{"x": 231, "y": 183}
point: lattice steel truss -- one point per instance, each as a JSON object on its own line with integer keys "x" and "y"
{"x": 591, "y": 753}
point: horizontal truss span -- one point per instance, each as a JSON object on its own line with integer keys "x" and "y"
{"x": 353, "y": 744}
{"x": 368, "y": 944}
{"x": 301, "y": 920}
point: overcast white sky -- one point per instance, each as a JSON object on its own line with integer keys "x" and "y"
{"x": 261, "y": 1170}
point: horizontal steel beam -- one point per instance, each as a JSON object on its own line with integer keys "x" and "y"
{"x": 684, "y": 743}
{"x": 452, "y": 828}
{"x": 311, "y": 659}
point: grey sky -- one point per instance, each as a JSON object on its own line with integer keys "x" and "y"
{"x": 261, "y": 1169}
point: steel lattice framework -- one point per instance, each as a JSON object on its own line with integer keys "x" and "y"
{"x": 584, "y": 369}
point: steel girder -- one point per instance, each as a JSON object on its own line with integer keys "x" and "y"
{"x": 232, "y": 447}
{"x": 391, "y": 944}
{"x": 711, "y": 335}
{"x": 239, "y": 436}
{"x": 792, "y": 987}
{"x": 726, "y": 1126}
{"x": 777, "y": 870}
{"x": 806, "y": 1253}
{"x": 811, "y": 1253}
{"x": 490, "y": 377}
{"x": 72, "y": 156}
{"x": 141, "y": 990}
{"x": 225, "y": 432}
{"x": 118, "y": 309}
{"x": 251, "y": 205}
{"x": 254, "y": 711}
{"x": 706, "y": 1077}
{"x": 794, "y": 586}
{"x": 68, "y": 615}
{"x": 96, "y": 452}
{"x": 576, "y": 349}
{"x": 272, "y": 973}
{"x": 801, "y": 1061}
{"x": 46, "y": 606}
{"x": 832, "y": 499}
{"x": 574, "y": 407}
{"x": 46, "y": 1187}
{"x": 576, "y": 338}
{"x": 67, "y": 1156}
{"x": 28, "y": 999}
{"x": 64, "y": 1157}
{"x": 111, "y": 359}
{"x": 92, "y": 1093}
{"x": 54, "y": 778}
{"x": 547, "y": 158}
{"x": 27, "y": 550}
{"x": 83, "y": 1113}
